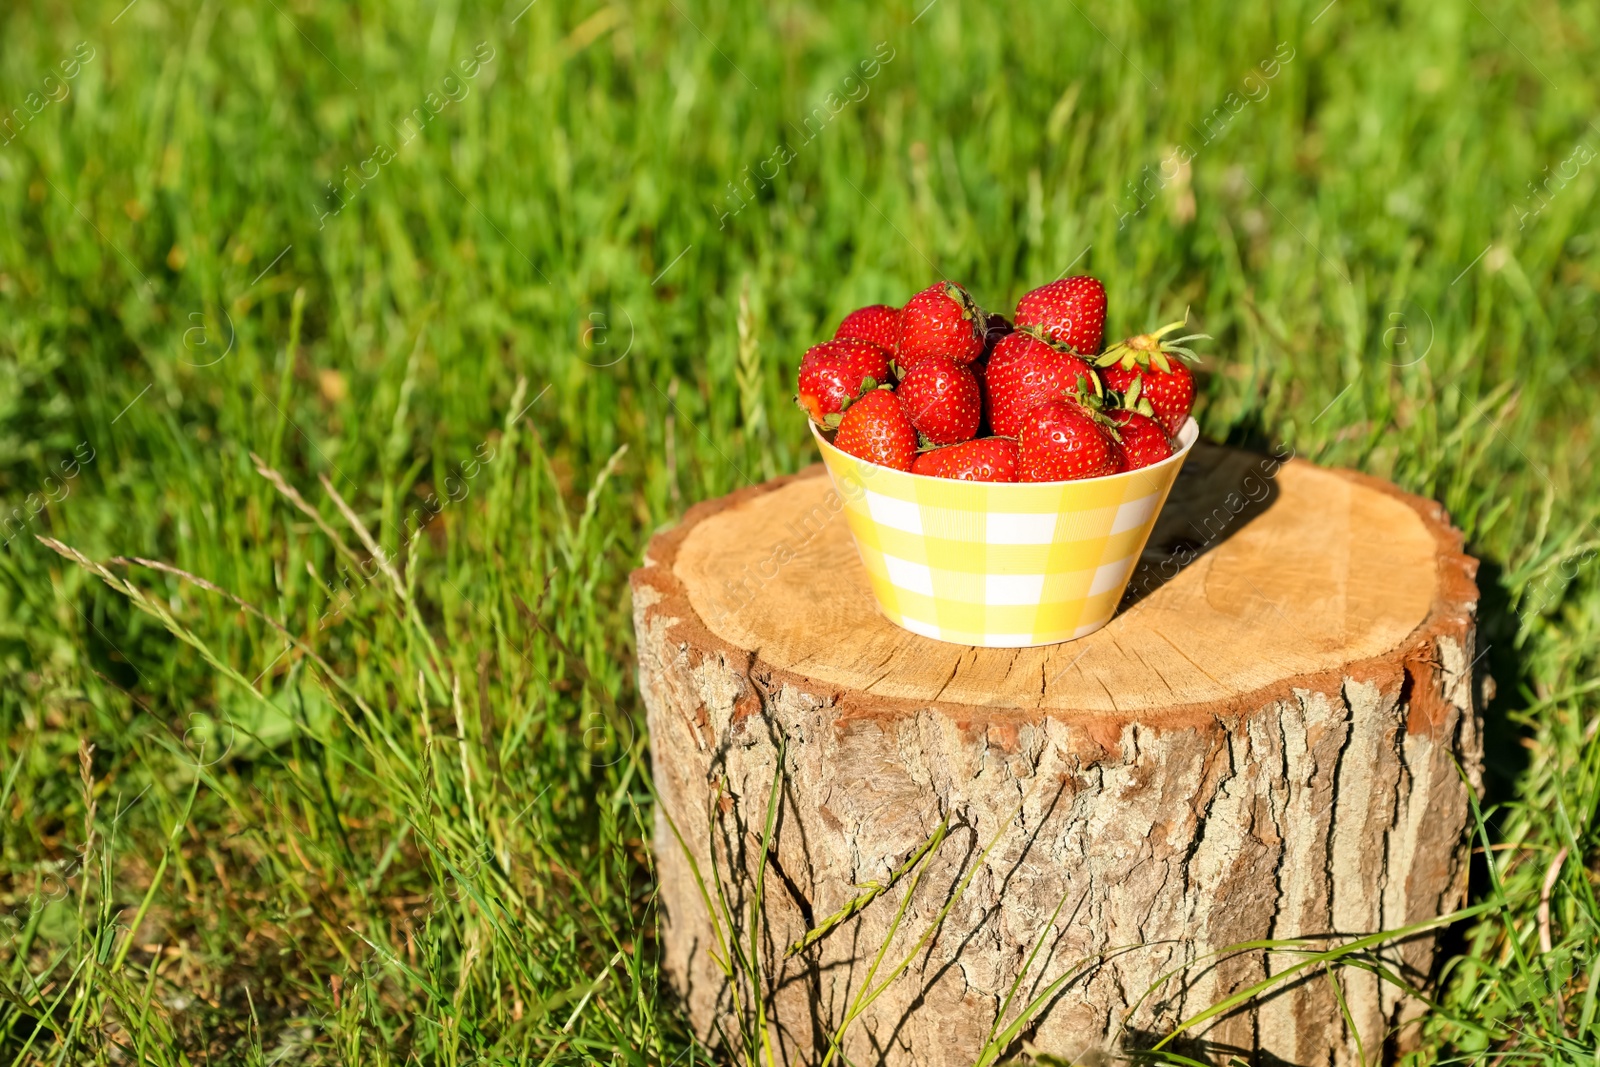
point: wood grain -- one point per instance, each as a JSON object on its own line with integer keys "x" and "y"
{"x": 1263, "y": 743}
{"x": 1341, "y": 571}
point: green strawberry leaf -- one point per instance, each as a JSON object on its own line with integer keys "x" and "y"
{"x": 1131, "y": 397}
{"x": 1038, "y": 334}
{"x": 969, "y": 308}
{"x": 1093, "y": 403}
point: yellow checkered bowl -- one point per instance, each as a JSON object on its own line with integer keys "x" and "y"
{"x": 1000, "y": 564}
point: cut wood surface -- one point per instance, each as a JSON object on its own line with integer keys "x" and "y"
{"x": 1264, "y": 743}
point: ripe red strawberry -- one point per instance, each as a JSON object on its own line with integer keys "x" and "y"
{"x": 942, "y": 320}
{"x": 942, "y": 400}
{"x": 1143, "y": 440}
{"x": 1164, "y": 382}
{"x": 1024, "y": 372}
{"x": 836, "y": 372}
{"x": 992, "y": 459}
{"x": 878, "y": 323}
{"x": 1171, "y": 393}
{"x": 1071, "y": 310}
{"x": 875, "y": 428}
{"x": 1063, "y": 442}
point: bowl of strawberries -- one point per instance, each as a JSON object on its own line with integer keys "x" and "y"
{"x": 1000, "y": 477}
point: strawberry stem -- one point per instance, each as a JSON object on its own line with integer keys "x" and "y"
{"x": 1153, "y": 348}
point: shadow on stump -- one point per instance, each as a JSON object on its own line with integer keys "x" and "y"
{"x": 1218, "y": 493}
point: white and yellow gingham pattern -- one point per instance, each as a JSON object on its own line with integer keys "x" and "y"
{"x": 1003, "y": 565}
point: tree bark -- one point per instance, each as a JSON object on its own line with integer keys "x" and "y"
{"x": 1274, "y": 739}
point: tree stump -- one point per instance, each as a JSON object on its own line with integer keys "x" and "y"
{"x": 1267, "y": 742}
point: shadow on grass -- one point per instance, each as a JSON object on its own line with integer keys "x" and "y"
{"x": 1505, "y": 757}
{"x": 1499, "y": 669}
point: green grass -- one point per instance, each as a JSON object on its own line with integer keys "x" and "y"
{"x": 418, "y": 833}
